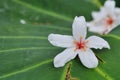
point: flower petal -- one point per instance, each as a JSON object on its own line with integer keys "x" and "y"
{"x": 117, "y": 11}
{"x": 97, "y": 43}
{"x": 79, "y": 28}
{"x": 114, "y": 25}
{"x": 61, "y": 40}
{"x": 96, "y": 28}
{"x": 88, "y": 58}
{"x": 109, "y": 5}
{"x": 64, "y": 57}
{"x": 98, "y": 15}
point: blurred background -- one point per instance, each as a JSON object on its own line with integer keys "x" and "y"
{"x": 55, "y": 12}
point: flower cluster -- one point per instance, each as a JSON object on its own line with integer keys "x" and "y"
{"x": 104, "y": 21}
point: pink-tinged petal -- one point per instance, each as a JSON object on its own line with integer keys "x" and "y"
{"x": 88, "y": 58}
{"x": 116, "y": 19}
{"x": 61, "y": 40}
{"x": 97, "y": 42}
{"x": 109, "y": 6}
{"x": 79, "y": 28}
{"x": 62, "y": 58}
{"x": 116, "y": 24}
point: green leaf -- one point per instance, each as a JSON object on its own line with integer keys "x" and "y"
{"x": 26, "y": 54}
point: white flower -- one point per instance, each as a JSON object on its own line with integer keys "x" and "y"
{"x": 22, "y": 21}
{"x": 106, "y": 20}
{"x": 77, "y": 45}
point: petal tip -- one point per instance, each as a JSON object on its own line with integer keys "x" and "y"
{"x": 80, "y": 18}
{"x": 57, "y": 65}
{"x": 50, "y": 36}
{"x": 109, "y": 4}
{"x": 92, "y": 66}
{"x": 108, "y": 46}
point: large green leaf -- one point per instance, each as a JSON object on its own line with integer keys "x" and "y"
{"x": 26, "y": 54}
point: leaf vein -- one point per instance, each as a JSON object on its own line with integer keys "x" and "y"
{"x": 50, "y": 13}
{"x": 112, "y": 36}
{"x": 30, "y": 48}
{"x": 102, "y": 73}
{"x": 23, "y": 37}
{"x": 26, "y": 69}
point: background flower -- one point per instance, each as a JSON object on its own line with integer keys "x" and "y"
{"x": 106, "y": 19}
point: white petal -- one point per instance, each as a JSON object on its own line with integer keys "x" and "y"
{"x": 99, "y": 28}
{"x": 116, "y": 23}
{"x": 109, "y": 5}
{"x": 79, "y": 28}
{"x": 97, "y": 43}
{"x": 64, "y": 57}
{"x": 117, "y": 11}
{"x": 61, "y": 40}
{"x": 88, "y": 58}
{"x": 113, "y": 27}
{"x": 98, "y": 15}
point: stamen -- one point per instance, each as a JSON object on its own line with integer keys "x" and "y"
{"x": 81, "y": 44}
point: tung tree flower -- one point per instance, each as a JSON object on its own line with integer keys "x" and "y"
{"x": 77, "y": 45}
{"x": 106, "y": 19}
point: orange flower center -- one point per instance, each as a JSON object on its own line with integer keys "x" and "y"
{"x": 109, "y": 21}
{"x": 81, "y": 44}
